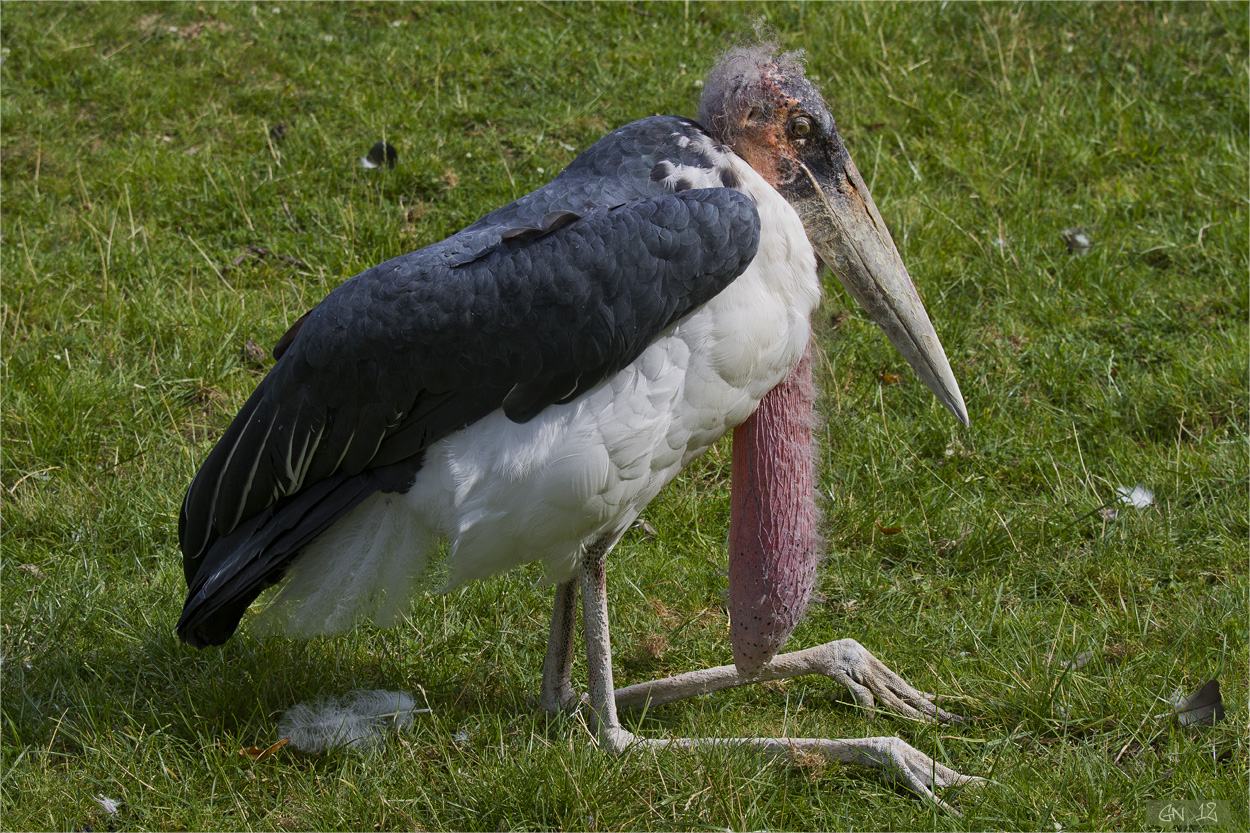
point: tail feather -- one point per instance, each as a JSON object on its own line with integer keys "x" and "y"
{"x": 254, "y": 556}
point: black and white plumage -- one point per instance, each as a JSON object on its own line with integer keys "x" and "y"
{"x": 534, "y": 305}
{"x": 526, "y": 387}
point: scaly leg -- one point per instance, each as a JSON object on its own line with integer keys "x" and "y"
{"x": 557, "y": 686}
{"x": 594, "y": 582}
{"x": 911, "y": 767}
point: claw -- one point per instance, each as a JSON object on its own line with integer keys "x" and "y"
{"x": 905, "y": 764}
{"x": 850, "y": 664}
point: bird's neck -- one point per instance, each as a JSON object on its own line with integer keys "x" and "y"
{"x": 773, "y": 542}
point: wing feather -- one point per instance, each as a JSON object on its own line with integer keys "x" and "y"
{"x": 413, "y": 349}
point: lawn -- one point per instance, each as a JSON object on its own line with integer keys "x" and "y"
{"x": 179, "y": 180}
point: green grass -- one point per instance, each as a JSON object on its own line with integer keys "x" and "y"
{"x": 138, "y": 165}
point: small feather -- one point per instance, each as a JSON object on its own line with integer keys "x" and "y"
{"x": 1203, "y": 707}
{"x": 554, "y": 220}
{"x": 1138, "y": 497}
{"x": 108, "y": 805}
{"x": 382, "y": 153}
{"x": 1079, "y": 661}
{"x": 1076, "y": 240}
{"x": 358, "y": 719}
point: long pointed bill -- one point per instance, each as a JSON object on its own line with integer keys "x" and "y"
{"x": 852, "y": 239}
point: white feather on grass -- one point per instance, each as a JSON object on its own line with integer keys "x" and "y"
{"x": 1138, "y": 497}
{"x": 357, "y": 720}
{"x": 108, "y": 805}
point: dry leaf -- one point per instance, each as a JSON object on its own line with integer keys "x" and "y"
{"x": 660, "y": 609}
{"x": 257, "y": 754}
{"x": 814, "y": 762}
{"x": 655, "y": 646}
{"x": 889, "y": 530}
{"x": 253, "y": 353}
{"x": 888, "y": 378}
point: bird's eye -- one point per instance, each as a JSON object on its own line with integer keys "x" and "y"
{"x": 800, "y": 127}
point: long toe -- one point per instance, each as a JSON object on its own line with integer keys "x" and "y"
{"x": 919, "y": 772}
{"x": 868, "y": 679}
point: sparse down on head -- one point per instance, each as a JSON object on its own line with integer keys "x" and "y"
{"x": 761, "y": 105}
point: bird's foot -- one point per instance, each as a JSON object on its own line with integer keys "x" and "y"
{"x": 844, "y": 661}
{"x": 868, "y": 679}
{"x": 898, "y": 760}
{"x": 905, "y": 764}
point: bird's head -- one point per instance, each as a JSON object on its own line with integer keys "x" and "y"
{"x": 761, "y": 105}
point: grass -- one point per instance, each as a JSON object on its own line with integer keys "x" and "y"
{"x": 140, "y": 160}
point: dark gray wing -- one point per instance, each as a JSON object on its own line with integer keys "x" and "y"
{"x": 623, "y": 166}
{"x": 425, "y": 344}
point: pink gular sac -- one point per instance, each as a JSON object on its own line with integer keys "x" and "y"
{"x": 773, "y": 544}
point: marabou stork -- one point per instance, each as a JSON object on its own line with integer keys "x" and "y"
{"x": 524, "y": 388}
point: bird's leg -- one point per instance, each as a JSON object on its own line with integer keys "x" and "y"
{"x": 844, "y": 661}
{"x": 557, "y": 686}
{"x": 900, "y": 761}
{"x": 594, "y": 582}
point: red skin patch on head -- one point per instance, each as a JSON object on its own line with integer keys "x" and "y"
{"x": 773, "y": 543}
{"x": 765, "y": 144}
